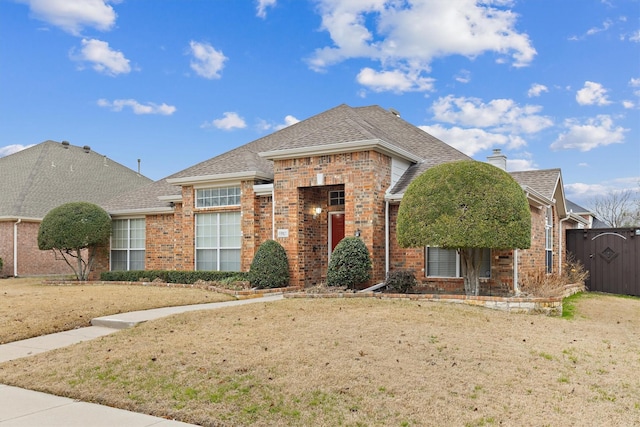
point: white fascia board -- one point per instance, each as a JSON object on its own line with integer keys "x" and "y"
{"x": 176, "y": 198}
{"x": 342, "y": 147}
{"x": 21, "y": 218}
{"x": 263, "y": 189}
{"x": 538, "y": 199}
{"x": 220, "y": 178}
{"x": 394, "y": 198}
{"x": 577, "y": 218}
{"x": 141, "y": 212}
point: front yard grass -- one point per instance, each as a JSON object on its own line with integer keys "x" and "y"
{"x": 357, "y": 362}
{"x": 29, "y": 309}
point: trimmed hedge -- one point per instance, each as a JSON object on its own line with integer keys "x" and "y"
{"x": 171, "y": 276}
{"x": 350, "y": 264}
{"x": 270, "y": 267}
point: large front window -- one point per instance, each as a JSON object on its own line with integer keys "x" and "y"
{"x": 127, "y": 244}
{"x": 446, "y": 263}
{"x": 218, "y": 240}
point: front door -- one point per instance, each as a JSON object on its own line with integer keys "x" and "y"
{"x": 336, "y": 229}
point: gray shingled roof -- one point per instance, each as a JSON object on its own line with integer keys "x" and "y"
{"x": 35, "y": 180}
{"x": 544, "y": 181}
{"x": 341, "y": 124}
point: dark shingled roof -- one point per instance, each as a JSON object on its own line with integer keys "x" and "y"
{"x": 341, "y": 124}
{"x": 35, "y": 180}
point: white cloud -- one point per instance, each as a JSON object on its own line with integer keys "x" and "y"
{"x": 635, "y": 36}
{"x": 229, "y": 121}
{"x": 207, "y": 62}
{"x": 288, "y": 121}
{"x": 395, "y": 81}
{"x": 499, "y": 114}
{"x": 408, "y": 35}
{"x": 596, "y": 132}
{"x": 628, "y": 104}
{"x": 13, "y": 148}
{"x": 137, "y": 108}
{"x": 634, "y": 82}
{"x": 536, "y": 89}
{"x": 464, "y": 76}
{"x": 472, "y": 141}
{"x": 102, "y": 57}
{"x": 515, "y": 165}
{"x": 592, "y": 94}
{"x": 588, "y": 192}
{"x": 73, "y": 15}
{"x": 261, "y": 8}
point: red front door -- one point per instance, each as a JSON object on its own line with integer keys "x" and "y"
{"x": 336, "y": 230}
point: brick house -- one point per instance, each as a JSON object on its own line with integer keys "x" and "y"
{"x": 34, "y": 181}
{"x": 340, "y": 173}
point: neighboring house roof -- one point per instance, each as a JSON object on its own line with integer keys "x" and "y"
{"x": 354, "y": 128}
{"x": 35, "y": 180}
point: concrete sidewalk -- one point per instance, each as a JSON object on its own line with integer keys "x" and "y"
{"x": 26, "y": 408}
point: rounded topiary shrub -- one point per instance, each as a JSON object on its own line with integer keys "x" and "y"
{"x": 270, "y": 267}
{"x": 350, "y": 263}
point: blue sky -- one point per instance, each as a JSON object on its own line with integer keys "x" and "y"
{"x": 175, "y": 82}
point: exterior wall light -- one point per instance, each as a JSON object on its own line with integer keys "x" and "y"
{"x": 358, "y": 232}
{"x": 317, "y": 211}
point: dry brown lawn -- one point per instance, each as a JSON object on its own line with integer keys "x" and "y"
{"x": 361, "y": 362}
{"x": 29, "y": 309}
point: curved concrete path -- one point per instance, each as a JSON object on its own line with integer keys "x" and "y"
{"x": 26, "y": 408}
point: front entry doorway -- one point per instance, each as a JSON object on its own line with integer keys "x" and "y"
{"x": 336, "y": 230}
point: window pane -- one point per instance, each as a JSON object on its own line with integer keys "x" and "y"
{"x": 137, "y": 233}
{"x": 206, "y": 259}
{"x": 119, "y": 235}
{"x": 118, "y": 260}
{"x": 136, "y": 260}
{"x": 441, "y": 262}
{"x": 485, "y": 269}
{"x": 230, "y": 260}
{"x": 230, "y": 230}
{"x": 206, "y": 230}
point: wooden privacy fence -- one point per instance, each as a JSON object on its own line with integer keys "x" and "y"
{"x": 612, "y": 257}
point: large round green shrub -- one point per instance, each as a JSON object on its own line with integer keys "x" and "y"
{"x": 350, "y": 263}
{"x": 270, "y": 267}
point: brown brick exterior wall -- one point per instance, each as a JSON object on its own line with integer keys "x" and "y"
{"x": 365, "y": 177}
{"x": 31, "y": 260}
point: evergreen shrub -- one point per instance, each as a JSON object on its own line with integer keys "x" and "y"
{"x": 171, "y": 276}
{"x": 350, "y": 264}
{"x": 270, "y": 267}
{"x": 401, "y": 281}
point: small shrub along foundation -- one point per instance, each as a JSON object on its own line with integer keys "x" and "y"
{"x": 172, "y": 276}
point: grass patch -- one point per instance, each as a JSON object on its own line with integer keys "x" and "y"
{"x": 396, "y": 363}
{"x": 30, "y": 309}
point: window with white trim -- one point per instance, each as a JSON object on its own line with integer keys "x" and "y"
{"x": 218, "y": 241}
{"x": 218, "y": 196}
{"x": 446, "y": 263}
{"x": 127, "y": 244}
{"x": 548, "y": 239}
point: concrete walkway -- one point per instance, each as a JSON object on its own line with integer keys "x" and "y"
{"x": 26, "y": 408}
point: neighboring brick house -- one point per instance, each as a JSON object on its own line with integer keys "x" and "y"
{"x": 340, "y": 173}
{"x": 34, "y": 181}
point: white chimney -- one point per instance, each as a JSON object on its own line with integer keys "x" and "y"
{"x": 498, "y": 159}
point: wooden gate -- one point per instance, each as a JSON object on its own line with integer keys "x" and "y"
{"x": 612, "y": 257}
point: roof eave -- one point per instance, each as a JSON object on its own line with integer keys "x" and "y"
{"x": 342, "y": 147}
{"x": 141, "y": 211}
{"x": 221, "y": 178}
